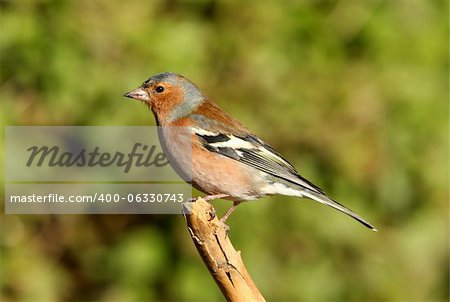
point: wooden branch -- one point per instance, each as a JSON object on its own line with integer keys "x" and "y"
{"x": 214, "y": 246}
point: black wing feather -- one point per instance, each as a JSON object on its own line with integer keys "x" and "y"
{"x": 262, "y": 157}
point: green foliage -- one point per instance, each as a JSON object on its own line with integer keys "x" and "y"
{"x": 354, "y": 93}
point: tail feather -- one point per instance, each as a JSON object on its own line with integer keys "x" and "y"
{"x": 336, "y": 205}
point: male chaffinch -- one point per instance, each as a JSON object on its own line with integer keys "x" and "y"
{"x": 228, "y": 161}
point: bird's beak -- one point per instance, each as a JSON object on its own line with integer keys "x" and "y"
{"x": 138, "y": 94}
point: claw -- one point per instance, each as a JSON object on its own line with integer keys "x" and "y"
{"x": 192, "y": 199}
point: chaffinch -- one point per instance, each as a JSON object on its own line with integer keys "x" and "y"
{"x": 228, "y": 161}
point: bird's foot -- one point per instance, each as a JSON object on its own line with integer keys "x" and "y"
{"x": 212, "y": 214}
{"x": 226, "y": 228}
{"x": 192, "y": 199}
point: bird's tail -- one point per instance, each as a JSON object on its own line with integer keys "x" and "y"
{"x": 336, "y": 205}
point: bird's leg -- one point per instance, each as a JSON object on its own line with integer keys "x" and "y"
{"x": 216, "y": 196}
{"x": 208, "y": 198}
{"x": 230, "y": 210}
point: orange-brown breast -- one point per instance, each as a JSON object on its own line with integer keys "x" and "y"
{"x": 211, "y": 173}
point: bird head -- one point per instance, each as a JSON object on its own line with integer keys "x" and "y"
{"x": 169, "y": 95}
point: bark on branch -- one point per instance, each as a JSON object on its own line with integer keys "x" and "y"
{"x": 222, "y": 260}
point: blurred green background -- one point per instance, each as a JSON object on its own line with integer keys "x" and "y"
{"x": 354, "y": 93}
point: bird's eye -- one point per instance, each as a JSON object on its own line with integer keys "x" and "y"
{"x": 159, "y": 89}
